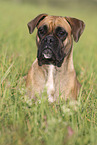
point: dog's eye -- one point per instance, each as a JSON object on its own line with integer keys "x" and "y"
{"x": 61, "y": 33}
{"x": 42, "y": 30}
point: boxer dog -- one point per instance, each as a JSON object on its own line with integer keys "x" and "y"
{"x": 53, "y": 68}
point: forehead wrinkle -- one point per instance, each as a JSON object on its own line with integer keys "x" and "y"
{"x": 54, "y": 21}
{"x": 49, "y": 21}
{"x": 63, "y": 23}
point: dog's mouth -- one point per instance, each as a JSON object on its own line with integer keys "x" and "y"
{"x": 47, "y": 56}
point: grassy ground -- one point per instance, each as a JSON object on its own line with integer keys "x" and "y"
{"x": 24, "y": 122}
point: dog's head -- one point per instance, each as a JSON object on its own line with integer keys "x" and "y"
{"x": 54, "y": 37}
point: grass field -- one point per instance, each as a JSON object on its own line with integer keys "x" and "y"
{"x": 24, "y": 122}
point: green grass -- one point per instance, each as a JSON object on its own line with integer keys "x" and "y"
{"x": 25, "y": 122}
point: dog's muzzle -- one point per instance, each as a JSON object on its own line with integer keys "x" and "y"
{"x": 48, "y": 45}
{"x": 49, "y": 52}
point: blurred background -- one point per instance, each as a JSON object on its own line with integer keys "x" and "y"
{"x": 14, "y": 35}
{"x": 56, "y": 3}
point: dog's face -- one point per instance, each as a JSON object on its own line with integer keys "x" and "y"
{"x": 54, "y": 37}
{"x": 53, "y": 40}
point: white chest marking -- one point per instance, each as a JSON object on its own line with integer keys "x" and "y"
{"x": 50, "y": 83}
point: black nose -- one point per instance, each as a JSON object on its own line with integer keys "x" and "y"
{"x": 49, "y": 39}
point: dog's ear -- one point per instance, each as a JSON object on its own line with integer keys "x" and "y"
{"x": 77, "y": 27}
{"x": 33, "y": 23}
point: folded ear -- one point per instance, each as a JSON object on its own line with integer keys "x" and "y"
{"x": 33, "y": 23}
{"x": 77, "y": 27}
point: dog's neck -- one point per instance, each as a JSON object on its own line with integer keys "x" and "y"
{"x": 50, "y": 82}
{"x": 51, "y": 71}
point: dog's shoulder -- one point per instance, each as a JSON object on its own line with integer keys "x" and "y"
{"x": 35, "y": 74}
